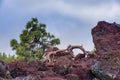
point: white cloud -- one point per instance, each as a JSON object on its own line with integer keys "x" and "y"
{"x": 106, "y": 11}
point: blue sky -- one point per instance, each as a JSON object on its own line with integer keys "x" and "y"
{"x": 69, "y": 20}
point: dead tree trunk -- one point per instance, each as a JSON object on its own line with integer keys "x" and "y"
{"x": 49, "y": 56}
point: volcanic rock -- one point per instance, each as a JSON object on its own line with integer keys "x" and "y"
{"x": 54, "y": 78}
{"x": 62, "y": 65}
{"x": 106, "y": 37}
{"x": 82, "y": 68}
{"x": 4, "y": 70}
{"x": 79, "y": 56}
{"x": 72, "y": 77}
{"x": 108, "y": 67}
{"x": 117, "y": 77}
{"x": 22, "y": 68}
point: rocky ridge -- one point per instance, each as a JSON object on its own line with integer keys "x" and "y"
{"x": 62, "y": 64}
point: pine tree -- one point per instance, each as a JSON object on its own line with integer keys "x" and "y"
{"x": 34, "y": 40}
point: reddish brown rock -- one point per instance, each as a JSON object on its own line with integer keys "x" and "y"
{"x": 72, "y": 77}
{"x": 117, "y": 77}
{"x": 62, "y": 65}
{"x": 82, "y": 68}
{"x": 22, "y": 68}
{"x": 79, "y": 56}
{"x": 54, "y": 78}
{"x": 106, "y": 37}
{"x": 18, "y": 68}
{"x": 108, "y": 66}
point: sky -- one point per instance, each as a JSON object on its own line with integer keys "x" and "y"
{"x": 69, "y": 20}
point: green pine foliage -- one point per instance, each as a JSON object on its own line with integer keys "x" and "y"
{"x": 34, "y": 40}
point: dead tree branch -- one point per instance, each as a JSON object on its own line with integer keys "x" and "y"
{"x": 49, "y": 56}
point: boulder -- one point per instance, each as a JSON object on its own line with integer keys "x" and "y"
{"x": 22, "y": 68}
{"x": 117, "y": 77}
{"x": 18, "y": 68}
{"x": 4, "y": 70}
{"x": 106, "y": 37}
{"x": 79, "y": 56}
{"x": 62, "y": 65}
{"x": 107, "y": 68}
{"x": 82, "y": 68}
